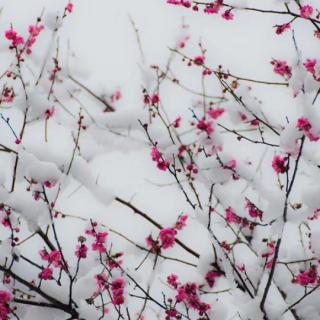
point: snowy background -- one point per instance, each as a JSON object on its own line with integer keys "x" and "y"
{"x": 99, "y": 47}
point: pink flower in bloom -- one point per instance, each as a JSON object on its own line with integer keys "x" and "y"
{"x": 231, "y": 216}
{"x": 44, "y": 255}
{"x": 211, "y": 277}
{"x": 279, "y": 164}
{"x": 5, "y": 299}
{"x": 228, "y": 15}
{"x": 181, "y": 223}
{"x": 181, "y": 296}
{"x": 206, "y": 126}
{"x": 253, "y": 211}
{"x": 186, "y": 3}
{"x": 310, "y": 65}
{"x": 117, "y": 289}
{"x": 161, "y": 163}
{"x": 172, "y": 280}
{"x": 282, "y": 28}
{"x": 14, "y": 38}
{"x": 281, "y": 68}
{"x": 215, "y": 113}
{"x": 34, "y": 32}
{"x": 231, "y": 165}
{"x": 6, "y": 222}
{"x": 49, "y": 184}
{"x": 167, "y": 237}
{"x": 172, "y": 313}
{"x": 155, "y": 154}
{"x": 306, "y": 11}
{"x": 101, "y": 237}
{"x": 191, "y": 288}
{"x": 55, "y": 258}
{"x": 194, "y": 302}
{"x": 46, "y": 274}
{"x": 313, "y": 137}
{"x": 303, "y": 124}
{"x": 70, "y": 7}
{"x": 8, "y": 95}
{"x": 188, "y": 293}
{"x": 155, "y": 99}
{"x": 199, "y": 60}
{"x": 213, "y": 8}
{"x": 307, "y": 277}
{"x": 99, "y": 244}
{"x": 81, "y": 251}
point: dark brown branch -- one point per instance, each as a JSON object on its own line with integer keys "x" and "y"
{"x": 156, "y": 224}
{"x": 58, "y": 304}
{"x": 108, "y": 106}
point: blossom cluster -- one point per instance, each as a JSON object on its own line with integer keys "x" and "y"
{"x": 232, "y": 217}
{"x": 53, "y": 260}
{"x": 99, "y": 238}
{"x": 156, "y": 156}
{"x": 167, "y": 236}
{"x": 307, "y": 278}
{"x": 186, "y": 293}
{"x": 117, "y": 289}
{"x": 5, "y": 308}
{"x": 279, "y": 164}
{"x": 209, "y": 8}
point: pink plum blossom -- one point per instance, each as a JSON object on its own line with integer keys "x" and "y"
{"x": 306, "y": 11}
{"x": 167, "y": 237}
{"x": 46, "y": 274}
{"x": 281, "y": 67}
{"x": 279, "y": 164}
